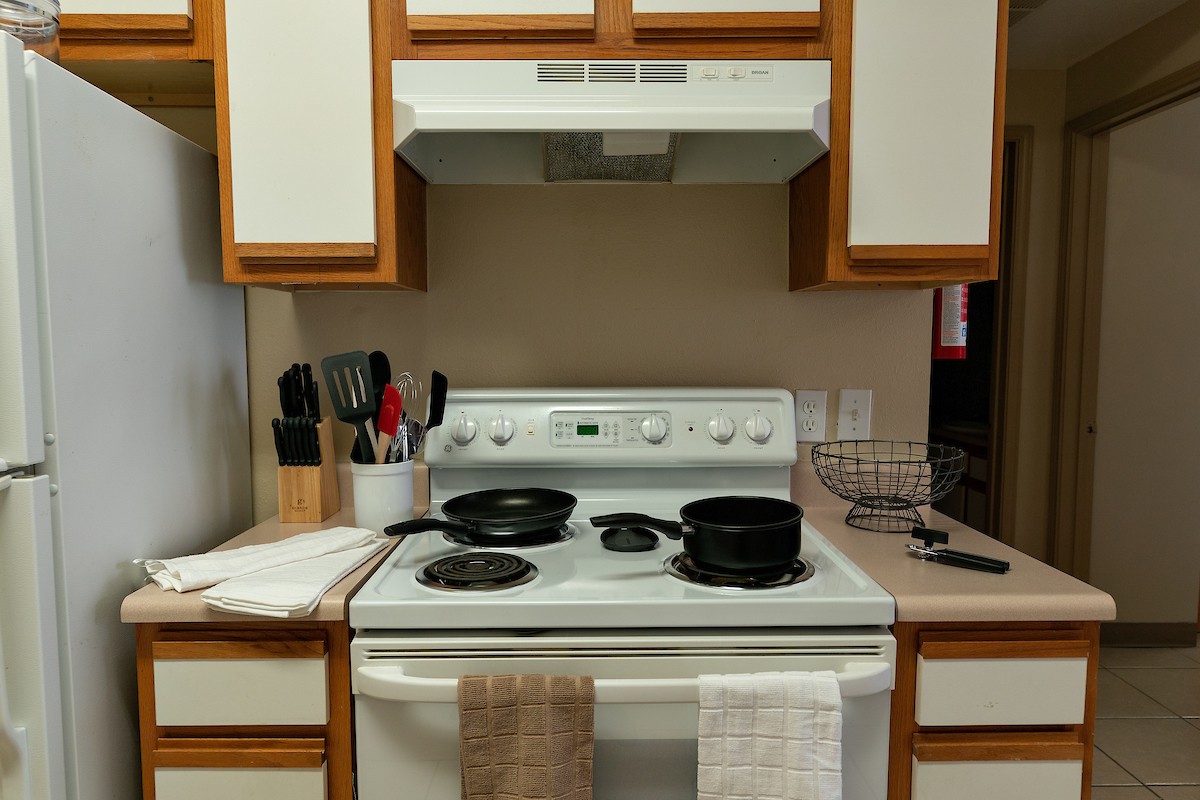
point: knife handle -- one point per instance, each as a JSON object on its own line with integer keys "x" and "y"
{"x": 278, "y": 430}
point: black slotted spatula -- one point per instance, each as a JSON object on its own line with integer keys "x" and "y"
{"x": 352, "y": 392}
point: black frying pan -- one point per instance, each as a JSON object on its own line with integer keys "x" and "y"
{"x": 493, "y": 515}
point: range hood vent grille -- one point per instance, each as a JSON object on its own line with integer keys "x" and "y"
{"x": 610, "y": 72}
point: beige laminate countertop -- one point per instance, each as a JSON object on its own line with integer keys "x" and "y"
{"x": 152, "y": 604}
{"x": 932, "y": 592}
{"x": 924, "y": 591}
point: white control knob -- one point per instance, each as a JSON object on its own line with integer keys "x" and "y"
{"x": 463, "y": 430}
{"x": 759, "y": 428}
{"x": 654, "y": 428}
{"x": 502, "y": 429}
{"x": 720, "y": 428}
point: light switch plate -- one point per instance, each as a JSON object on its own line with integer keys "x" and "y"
{"x": 854, "y": 414}
{"x": 811, "y": 406}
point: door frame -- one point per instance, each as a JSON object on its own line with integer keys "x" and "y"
{"x": 1081, "y": 260}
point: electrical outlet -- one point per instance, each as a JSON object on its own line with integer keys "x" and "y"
{"x": 854, "y": 414}
{"x": 810, "y": 415}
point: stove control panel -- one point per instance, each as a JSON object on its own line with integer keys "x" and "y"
{"x": 615, "y": 427}
{"x": 601, "y": 429}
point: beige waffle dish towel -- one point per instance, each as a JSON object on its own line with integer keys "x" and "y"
{"x": 526, "y": 737}
{"x": 770, "y": 736}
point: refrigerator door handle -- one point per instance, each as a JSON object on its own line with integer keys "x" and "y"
{"x": 14, "y": 744}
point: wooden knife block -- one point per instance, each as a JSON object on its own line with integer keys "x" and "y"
{"x": 310, "y": 494}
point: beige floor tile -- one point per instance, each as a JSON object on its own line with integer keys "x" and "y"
{"x": 1148, "y": 657}
{"x": 1122, "y": 793}
{"x": 1177, "y": 689}
{"x": 1152, "y": 750}
{"x": 1177, "y": 792}
{"x": 1106, "y": 772}
{"x": 1116, "y": 698}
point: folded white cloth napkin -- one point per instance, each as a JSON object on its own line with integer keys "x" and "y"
{"x": 770, "y": 736}
{"x": 291, "y": 590}
{"x": 195, "y": 572}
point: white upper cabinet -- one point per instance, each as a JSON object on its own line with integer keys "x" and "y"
{"x": 922, "y": 122}
{"x": 300, "y": 124}
{"x": 433, "y": 7}
{"x": 127, "y": 7}
{"x": 723, "y": 6}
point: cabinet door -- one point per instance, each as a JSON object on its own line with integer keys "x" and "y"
{"x": 295, "y": 79}
{"x": 248, "y": 769}
{"x": 501, "y": 19}
{"x": 126, "y": 19}
{"x": 1001, "y": 683}
{"x": 998, "y": 766}
{"x": 240, "y": 683}
{"x": 666, "y": 18}
{"x": 923, "y": 122}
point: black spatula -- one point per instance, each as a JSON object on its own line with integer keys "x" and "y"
{"x": 352, "y": 392}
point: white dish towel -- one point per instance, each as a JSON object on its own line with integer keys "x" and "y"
{"x": 770, "y": 736}
{"x": 196, "y": 572}
{"x": 291, "y": 590}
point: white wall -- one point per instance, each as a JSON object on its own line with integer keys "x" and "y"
{"x": 1145, "y": 535}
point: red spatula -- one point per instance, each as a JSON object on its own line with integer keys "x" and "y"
{"x": 389, "y": 421}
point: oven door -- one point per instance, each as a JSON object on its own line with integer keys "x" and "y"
{"x": 406, "y": 721}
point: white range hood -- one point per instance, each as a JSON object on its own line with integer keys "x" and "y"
{"x": 472, "y": 122}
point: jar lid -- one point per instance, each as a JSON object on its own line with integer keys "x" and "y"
{"x": 43, "y": 8}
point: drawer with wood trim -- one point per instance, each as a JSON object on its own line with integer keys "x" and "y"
{"x": 240, "y": 683}
{"x": 1013, "y": 682}
{"x": 200, "y": 769}
{"x": 1000, "y": 766}
{"x": 501, "y": 19}
{"x": 687, "y": 18}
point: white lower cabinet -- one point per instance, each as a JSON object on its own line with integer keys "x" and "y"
{"x": 997, "y": 780}
{"x": 206, "y": 783}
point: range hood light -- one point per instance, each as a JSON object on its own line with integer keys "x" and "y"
{"x": 646, "y": 143}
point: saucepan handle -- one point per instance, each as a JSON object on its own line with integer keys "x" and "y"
{"x": 427, "y": 524}
{"x": 672, "y": 530}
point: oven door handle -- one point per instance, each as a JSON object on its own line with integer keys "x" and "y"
{"x": 391, "y": 683}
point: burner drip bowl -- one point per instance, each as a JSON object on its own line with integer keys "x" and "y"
{"x": 681, "y": 566}
{"x": 477, "y": 572}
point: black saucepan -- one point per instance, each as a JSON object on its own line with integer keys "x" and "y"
{"x": 729, "y": 535}
{"x": 495, "y": 515}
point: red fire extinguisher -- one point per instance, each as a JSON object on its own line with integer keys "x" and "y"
{"x": 950, "y": 322}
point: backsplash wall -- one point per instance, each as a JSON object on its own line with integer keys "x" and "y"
{"x": 606, "y": 285}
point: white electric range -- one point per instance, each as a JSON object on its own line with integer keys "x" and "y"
{"x": 642, "y": 629}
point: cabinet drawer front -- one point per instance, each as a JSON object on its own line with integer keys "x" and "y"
{"x": 501, "y": 19}
{"x": 189, "y": 783}
{"x": 997, "y": 780}
{"x": 922, "y": 121}
{"x": 126, "y": 7}
{"x": 998, "y": 690}
{"x": 300, "y": 126}
{"x": 666, "y": 18}
{"x": 239, "y": 683}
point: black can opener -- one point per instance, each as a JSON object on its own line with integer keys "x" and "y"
{"x": 955, "y": 558}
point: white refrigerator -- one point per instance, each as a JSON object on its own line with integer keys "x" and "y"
{"x": 123, "y": 411}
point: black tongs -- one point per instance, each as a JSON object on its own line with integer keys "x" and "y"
{"x": 955, "y": 558}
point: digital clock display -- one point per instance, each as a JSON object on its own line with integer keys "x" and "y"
{"x": 587, "y": 430}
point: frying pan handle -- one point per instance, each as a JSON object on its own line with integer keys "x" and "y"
{"x": 425, "y": 525}
{"x": 672, "y": 530}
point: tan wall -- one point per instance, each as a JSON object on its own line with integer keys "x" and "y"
{"x": 1165, "y": 45}
{"x": 606, "y": 285}
{"x": 1036, "y": 99}
{"x": 1145, "y": 544}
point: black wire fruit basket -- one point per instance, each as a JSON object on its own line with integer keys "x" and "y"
{"x": 886, "y": 481}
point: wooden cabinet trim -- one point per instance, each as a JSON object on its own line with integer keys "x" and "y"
{"x": 274, "y": 252}
{"x": 125, "y": 26}
{"x": 998, "y": 747}
{"x": 501, "y": 26}
{"x": 163, "y": 651}
{"x": 931, "y": 650}
{"x": 241, "y": 753}
{"x": 949, "y": 253}
{"x": 101, "y": 37}
{"x": 728, "y": 23}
